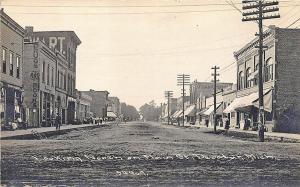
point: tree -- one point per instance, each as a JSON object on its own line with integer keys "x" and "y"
{"x": 150, "y": 111}
{"x": 129, "y": 112}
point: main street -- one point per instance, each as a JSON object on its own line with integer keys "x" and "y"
{"x": 149, "y": 154}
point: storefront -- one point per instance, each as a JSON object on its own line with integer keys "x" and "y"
{"x": 245, "y": 110}
{"x": 11, "y": 105}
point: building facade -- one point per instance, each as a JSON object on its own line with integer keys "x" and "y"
{"x": 281, "y": 81}
{"x": 39, "y": 84}
{"x": 65, "y": 43}
{"x": 114, "y": 105}
{"x": 99, "y": 103}
{"x": 83, "y": 110}
{"x": 11, "y": 69}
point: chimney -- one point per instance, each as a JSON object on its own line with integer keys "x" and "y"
{"x": 29, "y": 29}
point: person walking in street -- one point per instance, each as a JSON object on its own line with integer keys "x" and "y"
{"x": 57, "y": 121}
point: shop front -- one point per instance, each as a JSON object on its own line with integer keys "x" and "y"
{"x": 11, "y": 105}
{"x": 246, "y": 110}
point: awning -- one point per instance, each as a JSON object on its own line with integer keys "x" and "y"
{"x": 190, "y": 111}
{"x": 242, "y": 103}
{"x": 211, "y": 109}
{"x": 111, "y": 114}
{"x": 267, "y": 101}
{"x": 177, "y": 114}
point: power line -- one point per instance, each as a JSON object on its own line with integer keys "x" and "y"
{"x": 293, "y": 23}
{"x": 130, "y": 13}
{"x": 123, "y": 6}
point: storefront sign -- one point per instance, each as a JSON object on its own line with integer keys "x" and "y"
{"x": 35, "y": 75}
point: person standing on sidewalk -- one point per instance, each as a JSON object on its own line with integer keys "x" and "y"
{"x": 57, "y": 121}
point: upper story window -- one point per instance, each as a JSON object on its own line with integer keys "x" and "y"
{"x": 52, "y": 76}
{"x": 48, "y": 74}
{"x": 11, "y": 64}
{"x": 268, "y": 70}
{"x": 43, "y": 72}
{"x": 240, "y": 80}
{"x": 58, "y": 74}
{"x": 65, "y": 82}
{"x": 3, "y": 60}
{"x": 18, "y": 66}
{"x": 248, "y": 81}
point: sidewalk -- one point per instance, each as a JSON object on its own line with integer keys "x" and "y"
{"x": 20, "y": 132}
{"x": 269, "y": 134}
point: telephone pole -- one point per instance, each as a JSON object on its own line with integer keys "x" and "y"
{"x": 257, "y": 10}
{"x": 168, "y": 95}
{"x": 215, "y": 74}
{"x": 183, "y": 80}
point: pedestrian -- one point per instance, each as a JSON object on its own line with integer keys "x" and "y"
{"x": 57, "y": 121}
{"x": 227, "y": 124}
{"x": 206, "y": 122}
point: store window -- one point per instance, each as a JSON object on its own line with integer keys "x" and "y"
{"x": 3, "y": 60}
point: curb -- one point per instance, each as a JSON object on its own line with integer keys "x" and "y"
{"x": 45, "y": 135}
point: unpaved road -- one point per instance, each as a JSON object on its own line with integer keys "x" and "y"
{"x": 148, "y": 154}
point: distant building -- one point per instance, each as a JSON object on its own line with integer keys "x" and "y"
{"x": 83, "y": 109}
{"x": 11, "y": 80}
{"x": 205, "y": 89}
{"x": 99, "y": 103}
{"x": 281, "y": 79}
{"x": 114, "y": 105}
{"x": 65, "y": 43}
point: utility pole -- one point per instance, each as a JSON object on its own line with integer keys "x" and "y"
{"x": 256, "y": 11}
{"x": 168, "y": 95}
{"x": 215, "y": 68}
{"x": 183, "y": 80}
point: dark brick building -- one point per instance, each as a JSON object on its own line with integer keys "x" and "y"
{"x": 281, "y": 78}
{"x": 11, "y": 67}
{"x": 65, "y": 44}
{"x": 99, "y": 102}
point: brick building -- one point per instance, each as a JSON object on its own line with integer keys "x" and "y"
{"x": 99, "y": 102}
{"x": 199, "y": 94}
{"x": 39, "y": 83}
{"x": 65, "y": 43}
{"x": 11, "y": 68}
{"x": 281, "y": 79}
{"x": 114, "y": 105}
{"x": 83, "y": 109}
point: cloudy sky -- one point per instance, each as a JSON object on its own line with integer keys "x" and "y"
{"x": 135, "y": 48}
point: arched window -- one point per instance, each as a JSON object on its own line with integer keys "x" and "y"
{"x": 241, "y": 80}
{"x": 268, "y": 70}
{"x": 248, "y": 81}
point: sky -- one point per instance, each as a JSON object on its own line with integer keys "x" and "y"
{"x": 135, "y": 48}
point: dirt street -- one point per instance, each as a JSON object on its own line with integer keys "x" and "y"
{"x": 148, "y": 154}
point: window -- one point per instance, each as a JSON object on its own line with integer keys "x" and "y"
{"x": 248, "y": 81}
{"x": 65, "y": 82}
{"x": 48, "y": 74}
{"x": 268, "y": 70}
{"x": 240, "y": 80}
{"x": 18, "y": 67}
{"x": 58, "y": 74}
{"x": 52, "y": 77}
{"x": 43, "y": 72}
{"x": 4, "y": 60}
{"x": 11, "y": 64}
